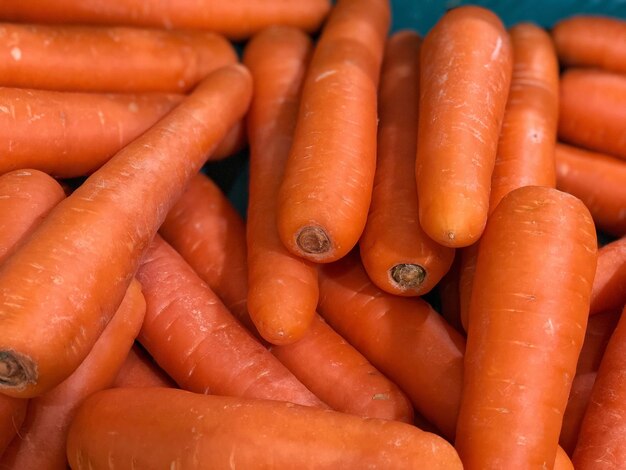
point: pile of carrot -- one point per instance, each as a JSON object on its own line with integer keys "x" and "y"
{"x": 418, "y": 282}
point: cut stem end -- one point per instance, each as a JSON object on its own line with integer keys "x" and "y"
{"x": 408, "y": 276}
{"x": 313, "y": 240}
{"x": 16, "y": 371}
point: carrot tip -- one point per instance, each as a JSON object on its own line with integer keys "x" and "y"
{"x": 407, "y": 276}
{"x": 16, "y": 371}
{"x": 313, "y": 240}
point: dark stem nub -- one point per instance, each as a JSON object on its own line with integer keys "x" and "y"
{"x": 313, "y": 240}
{"x": 16, "y": 371}
{"x": 408, "y": 276}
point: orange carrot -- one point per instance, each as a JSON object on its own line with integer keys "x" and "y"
{"x": 139, "y": 370}
{"x": 609, "y": 285}
{"x": 233, "y": 142}
{"x": 562, "y": 461}
{"x": 224, "y": 432}
{"x": 600, "y": 327}
{"x": 449, "y": 287}
{"x": 119, "y": 59}
{"x": 602, "y": 438}
{"x": 593, "y": 110}
{"x": 327, "y": 185}
{"x": 41, "y": 441}
{"x": 237, "y": 19}
{"x": 575, "y": 410}
{"x": 26, "y": 197}
{"x": 465, "y": 75}
{"x": 591, "y": 41}
{"x": 342, "y": 377}
{"x": 402, "y": 337}
{"x": 397, "y": 254}
{"x": 195, "y": 339}
{"x": 12, "y": 414}
{"x": 526, "y": 328}
{"x": 599, "y": 181}
{"x": 60, "y": 289}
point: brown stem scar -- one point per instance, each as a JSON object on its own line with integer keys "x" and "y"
{"x": 313, "y": 240}
{"x": 16, "y": 370}
{"x": 408, "y": 276}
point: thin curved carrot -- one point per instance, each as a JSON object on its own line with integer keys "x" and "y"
{"x": 526, "y": 328}
{"x": 575, "y": 410}
{"x": 464, "y": 82}
{"x": 58, "y": 291}
{"x": 282, "y": 287}
{"x": 139, "y": 370}
{"x": 593, "y": 111}
{"x": 327, "y": 186}
{"x": 396, "y": 334}
{"x": 591, "y": 41}
{"x": 114, "y": 59}
{"x": 397, "y": 254}
{"x": 41, "y": 441}
{"x": 609, "y": 285}
{"x": 195, "y": 339}
{"x": 600, "y": 327}
{"x": 237, "y": 19}
{"x": 602, "y": 438}
{"x": 599, "y": 181}
{"x": 225, "y": 432}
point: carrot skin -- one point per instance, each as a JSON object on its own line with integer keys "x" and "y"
{"x": 575, "y": 411}
{"x": 139, "y": 370}
{"x": 120, "y": 59}
{"x": 397, "y": 254}
{"x": 600, "y": 327}
{"x": 327, "y": 186}
{"x": 599, "y": 181}
{"x": 609, "y": 285}
{"x": 463, "y": 92}
{"x": 77, "y": 265}
{"x": 526, "y": 330}
{"x": 224, "y": 431}
{"x": 237, "y": 19}
{"x": 41, "y": 441}
{"x": 467, "y": 271}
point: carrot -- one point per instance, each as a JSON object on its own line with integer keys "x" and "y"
{"x": 599, "y": 181}
{"x": 139, "y": 370}
{"x": 397, "y": 254}
{"x": 26, "y": 197}
{"x": 41, "y": 441}
{"x": 78, "y": 58}
{"x": 342, "y": 376}
{"x": 282, "y": 287}
{"x": 233, "y": 142}
{"x": 562, "y": 461}
{"x": 225, "y": 432}
{"x": 194, "y": 338}
{"x": 402, "y": 337}
{"x": 327, "y": 186}
{"x": 465, "y": 75}
{"x": 609, "y": 285}
{"x": 600, "y": 327}
{"x": 237, "y": 19}
{"x": 467, "y": 271}
{"x": 12, "y": 414}
{"x": 210, "y": 235}
{"x": 591, "y": 41}
{"x": 526, "y": 328}
{"x": 448, "y": 289}
{"x": 575, "y": 410}
{"x": 592, "y": 110}
{"x": 601, "y": 441}
{"x": 60, "y": 289}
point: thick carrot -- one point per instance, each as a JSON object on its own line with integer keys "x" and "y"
{"x": 575, "y": 410}
{"x": 402, "y": 337}
{"x": 194, "y": 338}
{"x": 60, "y": 289}
{"x": 591, "y": 41}
{"x": 342, "y": 377}
{"x": 282, "y": 287}
{"x": 600, "y": 327}
{"x": 593, "y": 110}
{"x": 191, "y": 431}
{"x": 467, "y": 271}
{"x": 26, "y": 197}
{"x": 12, "y": 414}
{"x": 526, "y": 328}
{"x": 602, "y": 439}
{"x": 397, "y": 254}
{"x": 326, "y": 191}
{"x": 78, "y": 58}
{"x": 41, "y": 440}
{"x": 237, "y": 19}
{"x": 139, "y": 370}
{"x": 609, "y": 285}
{"x": 465, "y": 75}
{"x": 599, "y": 181}
{"x": 210, "y": 235}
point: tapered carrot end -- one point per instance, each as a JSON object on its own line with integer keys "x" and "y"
{"x": 313, "y": 241}
{"x": 16, "y": 370}
{"x": 407, "y": 276}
